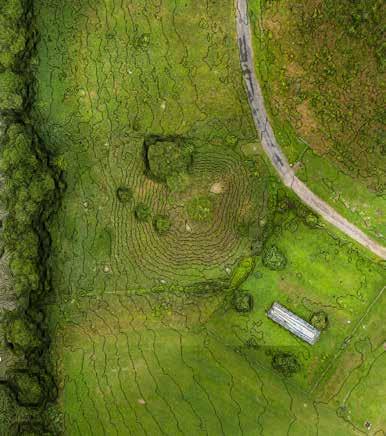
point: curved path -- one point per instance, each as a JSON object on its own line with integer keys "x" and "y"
{"x": 272, "y": 148}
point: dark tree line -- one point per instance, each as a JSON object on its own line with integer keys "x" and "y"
{"x": 29, "y": 194}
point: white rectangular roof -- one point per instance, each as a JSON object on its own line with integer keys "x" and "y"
{"x": 296, "y": 325}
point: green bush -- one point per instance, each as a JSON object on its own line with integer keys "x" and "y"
{"x": 167, "y": 158}
{"x": 162, "y": 224}
{"x": 242, "y": 271}
{"x": 319, "y": 320}
{"x": 11, "y": 91}
{"x": 142, "y": 212}
{"x": 28, "y": 194}
{"x": 22, "y": 335}
{"x": 200, "y": 209}
{"x": 243, "y": 302}
{"x": 311, "y": 220}
{"x": 273, "y": 258}
{"x": 32, "y": 429}
{"x": 27, "y": 388}
{"x": 124, "y": 194}
{"x": 12, "y": 10}
{"x": 285, "y": 363}
{"x": 12, "y": 42}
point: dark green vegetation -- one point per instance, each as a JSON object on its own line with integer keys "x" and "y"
{"x": 285, "y": 363}
{"x": 243, "y": 301}
{"x": 319, "y": 320}
{"x": 124, "y": 194}
{"x": 162, "y": 224}
{"x": 28, "y": 195}
{"x": 165, "y": 332}
{"x": 168, "y": 159}
{"x": 322, "y": 68}
{"x": 23, "y": 336}
{"x": 273, "y": 258}
{"x": 142, "y": 212}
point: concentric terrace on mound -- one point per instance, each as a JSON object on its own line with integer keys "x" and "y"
{"x": 192, "y": 246}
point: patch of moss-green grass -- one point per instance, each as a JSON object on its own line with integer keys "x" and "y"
{"x": 136, "y": 369}
{"x": 200, "y": 208}
{"x": 321, "y": 274}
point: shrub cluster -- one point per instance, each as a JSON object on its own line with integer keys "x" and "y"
{"x": 285, "y": 363}
{"x": 274, "y": 258}
{"x": 28, "y": 194}
{"x": 243, "y": 301}
{"x": 162, "y": 224}
{"x": 169, "y": 160}
{"x": 320, "y": 320}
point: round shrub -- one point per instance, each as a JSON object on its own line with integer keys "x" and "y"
{"x": 200, "y": 209}
{"x": 243, "y": 302}
{"x": 161, "y": 224}
{"x": 311, "y": 220}
{"x": 142, "y": 212}
{"x": 124, "y": 194}
{"x": 285, "y": 363}
{"x": 167, "y": 158}
{"x": 274, "y": 259}
{"x": 319, "y": 320}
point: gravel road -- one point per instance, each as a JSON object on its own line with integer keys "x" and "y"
{"x": 272, "y": 148}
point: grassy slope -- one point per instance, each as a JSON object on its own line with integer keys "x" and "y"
{"x": 128, "y": 371}
{"x": 324, "y": 172}
{"x": 184, "y": 356}
{"x": 140, "y": 71}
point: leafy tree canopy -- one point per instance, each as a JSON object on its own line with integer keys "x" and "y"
{"x": 319, "y": 320}
{"x": 11, "y": 91}
{"x": 142, "y": 212}
{"x": 167, "y": 158}
{"x": 243, "y": 301}
{"x": 22, "y": 335}
{"x": 12, "y": 41}
{"x": 27, "y": 388}
{"x": 285, "y": 363}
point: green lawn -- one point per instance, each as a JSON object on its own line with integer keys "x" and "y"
{"x": 128, "y": 371}
{"x": 145, "y": 338}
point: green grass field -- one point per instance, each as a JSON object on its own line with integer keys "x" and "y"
{"x": 145, "y": 338}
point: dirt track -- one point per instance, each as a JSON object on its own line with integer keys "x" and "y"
{"x": 272, "y": 148}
